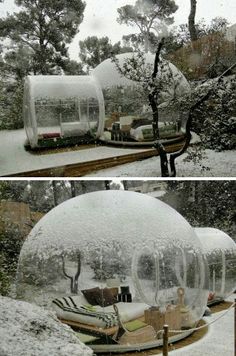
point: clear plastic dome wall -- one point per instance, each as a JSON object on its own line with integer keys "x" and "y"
{"x": 62, "y": 106}
{"x": 117, "y": 248}
{"x": 127, "y": 99}
{"x": 220, "y": 252}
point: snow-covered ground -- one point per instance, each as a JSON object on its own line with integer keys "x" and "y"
{"x": 220, "y": 164}
{"x": 14, "y": 159}
{"x": 28, "y": 330}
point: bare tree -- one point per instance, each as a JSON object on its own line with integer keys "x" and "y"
{"x": 153, "y": 87}
{"x": 134, "y": 69}
{"x": 73, "y": 279}
{"x": 152, "y": 97}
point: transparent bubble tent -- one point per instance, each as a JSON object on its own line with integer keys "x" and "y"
{"x": 128, "y": 114}
{"x": 220, "y": 252}
{"x": 116, "y": 265}
{"x": 59, "y": 110}
{"x": 56, "y": 108}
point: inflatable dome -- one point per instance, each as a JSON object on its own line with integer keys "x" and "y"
{"x": 220, "y": 252}
{"x": 127, "y": 104}
{"x": 112, "y": 258}
{"x": 108, "y": 75}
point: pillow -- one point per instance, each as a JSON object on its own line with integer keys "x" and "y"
{"x": 91, "y": 295}
{"x": 102, "y": 297}
{"x": 107, "y": 297}
{"x": 114, "y": 291}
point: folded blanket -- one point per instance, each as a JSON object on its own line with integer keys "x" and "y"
{"x": 66, "y": 308}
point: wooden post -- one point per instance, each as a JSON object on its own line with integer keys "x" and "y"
{"x": 165, "y": 340}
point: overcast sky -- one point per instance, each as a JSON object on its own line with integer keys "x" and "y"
{"x": 100, "y": 17}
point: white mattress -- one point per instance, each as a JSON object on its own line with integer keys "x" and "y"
{"x": 127, "y": 312}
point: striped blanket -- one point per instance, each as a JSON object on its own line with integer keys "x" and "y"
{"x": 70, "y": 308}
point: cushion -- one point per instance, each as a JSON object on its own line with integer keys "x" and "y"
{"x": 107, "y": 297}
{"x": 102, "y": 297}
{"x": 91, "y": 295}
{"x": 134, "y": 325}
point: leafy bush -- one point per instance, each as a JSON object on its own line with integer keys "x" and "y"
{"x": 11, "y": 104}
{"x": 10, "y": 245}
{"x": 220, "y": 135}
{"x": 215, "y": 119}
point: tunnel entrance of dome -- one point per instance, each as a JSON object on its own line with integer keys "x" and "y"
{"x": 62, "y": 110}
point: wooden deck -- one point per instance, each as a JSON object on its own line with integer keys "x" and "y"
{"x": 82, "y": 168}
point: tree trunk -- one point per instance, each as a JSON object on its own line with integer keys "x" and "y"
{"x": 163, "y": 158}
{"x": 107, "y": 185}
{"x": 83, "y": 186}
{"x": 155, "y": 116}
{"x": 191, "y": 21}
{"x": 72, "y": 187}
{"x": 153, "y": 94}
{"x": 146, "y": 42}
{"x": 54, "y": 190}
{"x": 125, "y": 184}
{"x": 152, "y": 97}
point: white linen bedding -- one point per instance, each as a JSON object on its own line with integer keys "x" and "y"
{"x": 76, "y": 308}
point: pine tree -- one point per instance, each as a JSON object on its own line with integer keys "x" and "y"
{"x": 149, "y": 16}
{"x": 44, "y": 27}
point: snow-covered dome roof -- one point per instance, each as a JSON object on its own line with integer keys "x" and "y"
{"x": 107, "y": 215}
{"x": 108, "y": 75}
{"x": 214, "y": 239}
{"x": 63, "y": 86}
{"x": 115, "y": 234}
